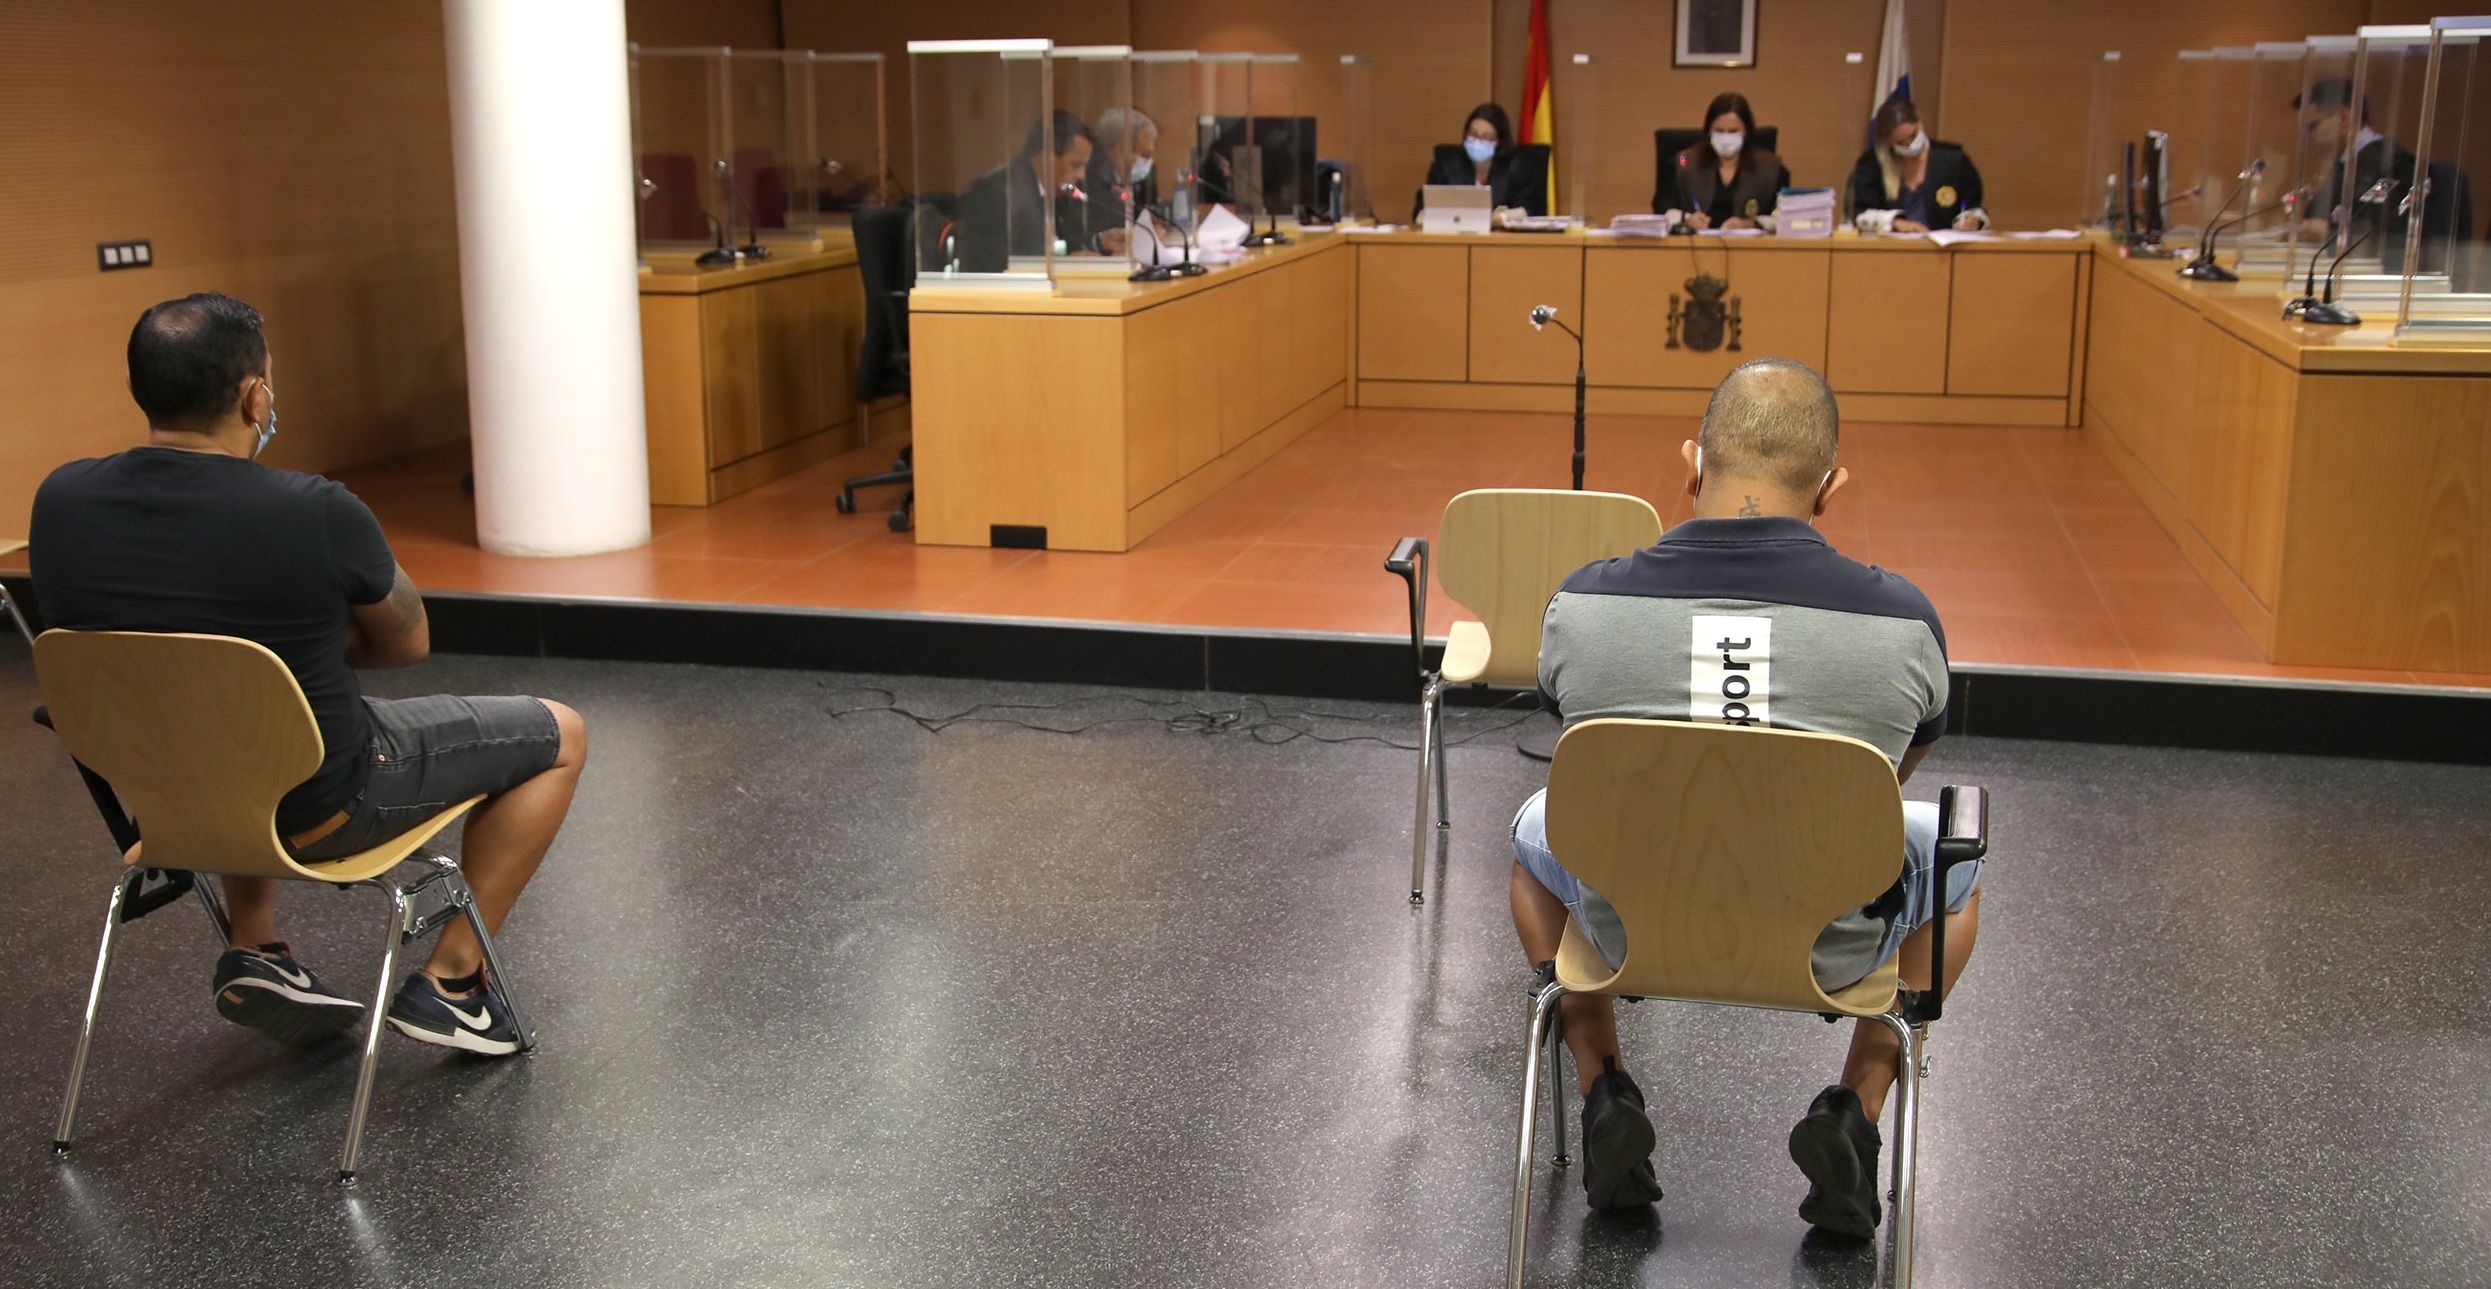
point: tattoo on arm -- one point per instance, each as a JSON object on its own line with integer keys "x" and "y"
{"x": 1747, "y": 510}
{"x": 405, "y": 603}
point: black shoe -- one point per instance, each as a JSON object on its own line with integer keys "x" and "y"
{"x": 1617, "y": 1144}
{"x": 1836, "y": 1146}
{"x": 272, "y": 993}
{"x": 479, "y": 1022}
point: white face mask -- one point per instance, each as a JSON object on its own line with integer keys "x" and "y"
{"x": 1919, "y": 144}
{"x": 1141, "y": 170}
{"x": 267, "y": 429}
{"x": 1728, "y": 142}
{"x": 1480, "y": 151}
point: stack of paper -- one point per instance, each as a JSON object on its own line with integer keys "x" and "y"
{"x": 1806, "y": 212}
{"x": 1640, "y": 225}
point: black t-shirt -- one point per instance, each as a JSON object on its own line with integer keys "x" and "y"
{"x": 158, "y": 539}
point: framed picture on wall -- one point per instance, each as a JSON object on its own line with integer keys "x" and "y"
{"x": 1716, "y": 33}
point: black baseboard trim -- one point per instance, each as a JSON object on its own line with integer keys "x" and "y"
{"x": 2383, "y": 722}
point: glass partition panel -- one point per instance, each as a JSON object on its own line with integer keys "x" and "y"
{"x": 2223, "y": 125}
{"x": 679, "y": 152}
{"x": 2358, "y": 121}
{"x": 1281, "y": 141}
{"x": 1342, "y": 190}
{"x": 2452, "y": 147}
{"x": 2199, "y": 180}
{"x": 991, "y": 160}
{"x": 2322, "y": 208}
{"x": 1577, "y": 96}
{"x": 2098, "y": 201}
{"x": 1166, "y": 87}
{"x": 766, "y": 101}
{"x": 1095, "y": 84}
{"x": 849, "y": 143}
{"x": 1220, "y": 145}
{"x": 2273, "y": 204}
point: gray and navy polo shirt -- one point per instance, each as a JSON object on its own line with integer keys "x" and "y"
{"x": 1754, "y": 622}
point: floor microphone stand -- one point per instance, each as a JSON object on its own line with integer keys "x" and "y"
{"x": 1537, "y": 745}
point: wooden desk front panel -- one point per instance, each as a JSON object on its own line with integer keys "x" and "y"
{"x": 1413, "y": 312}
{"x": 1172, "y": 359}
{"x": 2236, "y": 424}
{"x": 2387, "y": 554}
{"x": 2143, "y": 375}
{"x": 1627, "y": 292}
{"x": 1020, "y": 419}
{"x": 2011, "y": 325}
{"x": 1886, "y": 324}
{"x": 736, "y": 379}
{"x": 1505, "y": 282}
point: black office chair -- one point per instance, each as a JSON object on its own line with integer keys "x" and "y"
{"x": 888, "y": 266}
{"x": 1670, "y": 140}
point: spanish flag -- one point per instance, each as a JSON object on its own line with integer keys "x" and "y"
{"x": 1539, "y": 98}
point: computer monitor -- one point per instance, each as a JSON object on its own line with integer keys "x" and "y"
{"x": 1288, "y": 149}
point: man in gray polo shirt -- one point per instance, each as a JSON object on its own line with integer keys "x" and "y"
{"x": 1748, "y": 597}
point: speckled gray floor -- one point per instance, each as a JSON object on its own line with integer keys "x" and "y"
{"x": 846, "y": 1003}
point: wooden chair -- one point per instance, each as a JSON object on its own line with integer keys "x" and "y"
{"x": 199, "y": 737}
{"x": 1501, "y": 553}
{"x": 1726, "y": 851}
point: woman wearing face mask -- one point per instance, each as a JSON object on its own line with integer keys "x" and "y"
{"x": 1908, "y": 182}
{"x": 1725, "y": 181}
{"x": 1487, "y": 157}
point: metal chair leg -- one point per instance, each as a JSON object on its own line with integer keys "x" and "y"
{"x": 214, "y": 905}
{"x": 1444, "y": 795}
{"x": 401, "y": 922}
{"x": 1906, "y": 1140}
{"x": 492, "y": 961}
{"x": 1543, "y": 1009}
{"x": 1427, "y": 743}
{"x": 61, "y": 1133}
{"x": 1557, "y": 1085}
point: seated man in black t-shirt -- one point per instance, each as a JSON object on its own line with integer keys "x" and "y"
{"x": 188, "y": 533}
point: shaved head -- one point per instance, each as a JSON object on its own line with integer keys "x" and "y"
{"x": 1771, "y": 420}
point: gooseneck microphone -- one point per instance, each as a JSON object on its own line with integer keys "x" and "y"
{"x": 752, "y": 249}
{"x": 717, "y": 256}
{"x": 2202, "y": 267}
{"x": 2327, "y": 313}
{"x": 2301, "y": 304}
{"x": 1541, "y": 316}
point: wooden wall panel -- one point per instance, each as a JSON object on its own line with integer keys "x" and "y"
{"x": 1626, "y": 298}
{"x": 294, "y": 153}
{"x": 2019, "y": 83}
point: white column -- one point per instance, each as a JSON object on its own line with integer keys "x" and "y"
{"x": 540, "y": 126}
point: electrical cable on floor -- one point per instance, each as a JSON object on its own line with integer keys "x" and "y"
{"x": 1255, "y": 718}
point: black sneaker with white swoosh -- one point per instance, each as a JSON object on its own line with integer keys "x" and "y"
{"x": 272, "y": 993}
{"x": 479, "y": 1022}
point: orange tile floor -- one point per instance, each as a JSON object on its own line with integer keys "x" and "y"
{"x": 2033, "y": 550}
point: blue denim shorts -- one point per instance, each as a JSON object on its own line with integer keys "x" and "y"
{"x": 429, "y": 754}
{"x": 1849, "y": 949}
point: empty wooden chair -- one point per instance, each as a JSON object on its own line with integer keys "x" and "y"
{"x": 200, "y": 736}
{"x": 1726, "y": 851}
{"x": 1501, "y": 553}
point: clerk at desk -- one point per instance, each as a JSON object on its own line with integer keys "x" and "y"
{"x": 1908, "y": 182}
{"x": 1003, "y": 213}
{"x": 2328, "y": 121}
{"x": 1488, "y": 157}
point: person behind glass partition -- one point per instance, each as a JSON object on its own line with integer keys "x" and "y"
{"x": 1724, "y": 180}
{"x": 1488, "y": 157}
{"x": 2330, "y": 128}
{"x": 1908, "y": 182}
{"x": 1003, "y": 213}
{"x": 1119, "y": 172}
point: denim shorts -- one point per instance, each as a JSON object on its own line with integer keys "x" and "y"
{"x": 1849, "y": 949}
{"x": 429, "y": 754}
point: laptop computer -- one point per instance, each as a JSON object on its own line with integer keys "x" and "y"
{"x": 1454, "y": 208}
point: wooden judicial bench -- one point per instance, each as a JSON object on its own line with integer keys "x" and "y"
{"x": 2335, "y": 489}
{"x": 750, "y": 371}
{"x": 2332, "y": 487}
